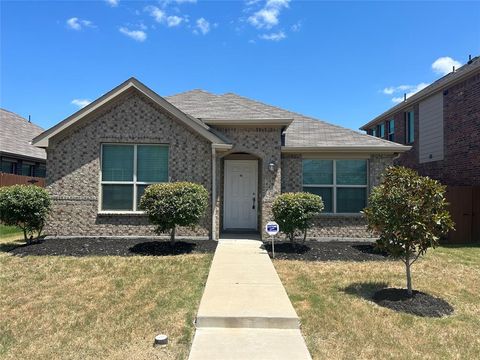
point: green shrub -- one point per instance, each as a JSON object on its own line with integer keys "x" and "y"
{"x": 294, "y": 212}
{"x": 410, "y": 213}
{"x": 170, "y": 205}
{"x": 25, "y": 206}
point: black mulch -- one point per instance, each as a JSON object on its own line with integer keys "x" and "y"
{"x": 326, "y": 251}
{"x": 114, "y": 247}
{"x": 419, "y": 304}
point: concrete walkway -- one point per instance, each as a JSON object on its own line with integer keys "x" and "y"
{"x": 245, "y": 312}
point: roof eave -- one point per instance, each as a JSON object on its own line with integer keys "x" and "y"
{"x": 429, "y": 90}
{"x": 344, "y": 149}
{"x": 251, "y": 122}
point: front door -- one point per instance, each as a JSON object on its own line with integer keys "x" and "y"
{"x": 240, "y": 195}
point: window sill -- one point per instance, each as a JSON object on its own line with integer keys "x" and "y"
{"x": 122, "y": 213}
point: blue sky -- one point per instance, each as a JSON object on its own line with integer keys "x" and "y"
{"x": 343, "y": 62}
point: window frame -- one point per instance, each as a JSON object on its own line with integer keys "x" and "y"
{"x": 381, "y": 130}
{"x": 334, "y": 185}
{"x": 409, "y": 129}
{"x": 134, "y": 181}
{"x": 391, "y": 130}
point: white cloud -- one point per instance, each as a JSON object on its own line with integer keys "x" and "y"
{"x": 113, "y": 3}
{"x": 296, "y": 27}
{"x": 273, "y": 36}
{"x": 161, "y": 16}
{"x": 81, "y": 103}
{"x": 444, "y": 65}
{"x": 409, "y": 90}
{"x": 174, "y": 20}
{"x": 158, "y": 14}
{"x": 267, "y": 17}
{"x": 137, "y": 35}
{"x": 78, "y": 24}
{"x": 202, "y": 26}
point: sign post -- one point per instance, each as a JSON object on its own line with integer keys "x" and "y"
{"x": 272, "y": 229}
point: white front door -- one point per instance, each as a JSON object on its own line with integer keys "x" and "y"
{"x": 240, "y": 194}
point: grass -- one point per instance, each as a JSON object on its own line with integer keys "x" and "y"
{"x": 9, "y": 231}
{"x": 98, "y": 307}
{"x": 340, "y": 322}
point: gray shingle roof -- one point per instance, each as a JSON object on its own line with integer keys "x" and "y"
{"x": 16, "y": 134}
{"x": 303, "y": 132}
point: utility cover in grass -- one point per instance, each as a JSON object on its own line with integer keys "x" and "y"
{"x": 419, "y": 304}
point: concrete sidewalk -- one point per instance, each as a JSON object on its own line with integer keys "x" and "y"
{"x": 245, "y": 312}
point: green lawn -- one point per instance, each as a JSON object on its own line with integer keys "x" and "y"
{"x": 98, "y": 307}
{"x": 340, "y": 322}
{"x": 9, "y": 231}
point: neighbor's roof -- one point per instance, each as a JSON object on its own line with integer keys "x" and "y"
{"x": 469, "y": 69}
{"x": 304, "y": 133}
{"x": 16, "y": 134}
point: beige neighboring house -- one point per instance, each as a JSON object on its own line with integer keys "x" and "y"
{"x": 101, "y": 159}
{"x": 17, "y": 155}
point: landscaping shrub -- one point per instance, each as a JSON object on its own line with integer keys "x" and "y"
{"x": 410, "y": 213}
{"x": 170, "y": 205}
{"x": 294, "y": 212}
{"x": 25, "y": 206}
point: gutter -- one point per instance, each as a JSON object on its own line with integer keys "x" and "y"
{"x": 347, "y": 149}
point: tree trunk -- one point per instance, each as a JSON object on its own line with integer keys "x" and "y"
{"x": 172, "y": 237}
{"x": 409, "y": 276}
{"x": 25, "y": 236}
{"x": 292, "y": 237}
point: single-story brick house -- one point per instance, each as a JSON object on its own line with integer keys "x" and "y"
{"x": 100, "y": 159}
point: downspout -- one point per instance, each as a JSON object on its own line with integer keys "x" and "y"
{"x": 213, "y": 235}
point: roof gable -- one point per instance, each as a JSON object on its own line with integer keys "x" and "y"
{"x": 196, "y": 125}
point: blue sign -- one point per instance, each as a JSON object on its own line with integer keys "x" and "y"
{"x": 272, "y": 228}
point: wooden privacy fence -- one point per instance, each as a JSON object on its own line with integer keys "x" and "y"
{"x": 12, "y": 179}
{"x": 465, "y": 210}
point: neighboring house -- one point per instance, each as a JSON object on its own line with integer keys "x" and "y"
{"x": 442, "y": 124}
{"x": 244, "y": 152}
{"x": 17, "y": 155}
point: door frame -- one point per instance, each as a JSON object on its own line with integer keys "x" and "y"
{"x": 225, "y": 195}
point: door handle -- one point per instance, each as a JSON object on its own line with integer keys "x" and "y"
{"x": 253, "y": 205}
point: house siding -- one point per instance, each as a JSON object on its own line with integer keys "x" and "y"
{"x": 73, "y": 167}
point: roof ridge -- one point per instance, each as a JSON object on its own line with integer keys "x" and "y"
{"x": 314, "y": 119}
{"x": 192, "y": 91}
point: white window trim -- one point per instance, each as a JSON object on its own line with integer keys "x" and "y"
{"x": 334, "y": 186}
{"x": 134, "y": 182}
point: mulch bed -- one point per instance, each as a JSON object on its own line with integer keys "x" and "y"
{"x": 419, "y": 304}
{"x": 113, "y": 247}
{"x": 326, "y": 251}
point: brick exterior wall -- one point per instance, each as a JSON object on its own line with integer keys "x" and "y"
{"x": 73, "y": 167}
{"x": 332, "y": 225}
{"x": 461, "y": 120}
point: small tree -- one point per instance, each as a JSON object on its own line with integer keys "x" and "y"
{"x": 170, "y": 205}
{"x": 410, "y": 213}
{"x": 294, "y": 212}
{"x": 25, "y": 206}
